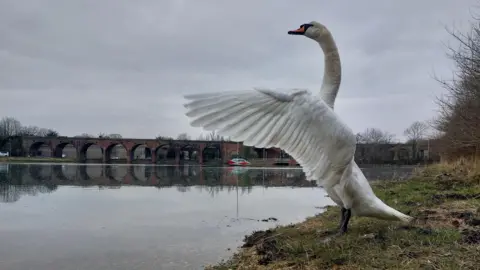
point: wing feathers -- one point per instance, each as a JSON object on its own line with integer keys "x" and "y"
{"x": 303, "y": 126}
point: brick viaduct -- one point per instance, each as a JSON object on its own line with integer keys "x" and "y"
{"x": 56, "y": 145}
{"x": 176, "y": 148}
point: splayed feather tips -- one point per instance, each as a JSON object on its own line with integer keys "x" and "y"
{"x": 297, "y": 122}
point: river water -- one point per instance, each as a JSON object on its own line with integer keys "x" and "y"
{"x": 77, "y": 216}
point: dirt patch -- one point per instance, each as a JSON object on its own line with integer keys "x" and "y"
{"x": 439, "y": 198}
{"x": 454, "y": 178}
{"x": 443, "y": 218}
{"x": 471, "y": 237}
{"x": 410, "y": 254}
{"x": 254, "y": 238}
{"x": 265, "y": 245}
{"x": 418, "y": 230}
{"x": 412, "y": 203}
{"x": 468, "y": 217}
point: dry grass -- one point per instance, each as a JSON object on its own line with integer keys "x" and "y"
{"x": 444, "y": 199}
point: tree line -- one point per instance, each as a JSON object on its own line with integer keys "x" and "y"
{"x": 458, "y": 121}
{"x": 12, "y": 131}
{"x": 417, "y": 131}
{"x": 9, "y": 126}
{"x": 456, "y": 128}
{"x": 211, "y": 136}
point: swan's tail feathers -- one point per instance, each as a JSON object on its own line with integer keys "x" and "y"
{"x": 404, "y": 218}
{"x": 387, "y": 212}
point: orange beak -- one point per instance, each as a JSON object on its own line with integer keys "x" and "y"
{"x": 299, "y": 31}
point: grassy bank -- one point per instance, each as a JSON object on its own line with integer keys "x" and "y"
{"x": 34, "y": 160}
{"x": 444, "y": 199}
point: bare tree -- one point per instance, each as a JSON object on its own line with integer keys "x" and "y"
{"x": 375, "y": 136}
{"x": 416, "y": 131}
{"x": 376, "y": 139}
{"x": 114, "y": 136}
{"x": 10, "y": 126}
{"x": 109, "y": 136}
{"x": 52, "y": 133}
{"x": 183, "y": 136}
{"x": 85, "y": 135}
{"x": 459, "y": 109}
{"x": 435, "y": 135}
{"x": 214, "y": 136}
{"x": 29, "y": 131}
{"x": 163, "y": 138}
{"x": 42, "y": 132}
{"x": 34, "y": 131}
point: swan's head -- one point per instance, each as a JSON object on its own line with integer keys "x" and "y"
{"x": 313, "y": 30}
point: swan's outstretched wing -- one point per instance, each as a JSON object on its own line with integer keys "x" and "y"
{"x": 302, "y": 125}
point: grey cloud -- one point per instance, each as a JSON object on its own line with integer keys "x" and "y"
{"x": 122, "y": 66}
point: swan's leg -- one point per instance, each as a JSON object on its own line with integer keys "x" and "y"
{"x": 342, "y": 217}
{"x": 346, "y": 218}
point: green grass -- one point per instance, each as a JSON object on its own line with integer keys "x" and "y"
{"x": 444, "y": 199}
{"x": 35, "y": 160}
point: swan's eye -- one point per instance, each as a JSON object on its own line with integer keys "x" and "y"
{"x": 306, "y": 26}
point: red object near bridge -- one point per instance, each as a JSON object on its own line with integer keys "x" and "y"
{"x": 238, "y": 162}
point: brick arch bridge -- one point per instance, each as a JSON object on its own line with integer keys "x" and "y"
{"x": 173, "y": 148}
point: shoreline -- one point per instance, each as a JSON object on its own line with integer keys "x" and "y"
{"x": 444, "y": 199}
{"x": 35, "y": 160}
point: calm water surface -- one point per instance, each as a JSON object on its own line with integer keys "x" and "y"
{"x": 140, "y": 216}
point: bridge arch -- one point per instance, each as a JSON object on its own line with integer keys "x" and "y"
{"x": 161, "y": 152}
{"x": 65, "y": 149}
{"x": 140, "y": 152}
{"x": 90, "y": 151}
{"x": 212, "y": 152}
{"x": 189, "y": 152}
{"x": 40, "y": 149}
{"x": 165, "y": 153}
{"x": 116, "y": 151}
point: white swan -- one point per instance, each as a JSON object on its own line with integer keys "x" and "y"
{"x": 304, "y": 126}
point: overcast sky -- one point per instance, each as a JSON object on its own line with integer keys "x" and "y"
{"x": 118, "y": 66}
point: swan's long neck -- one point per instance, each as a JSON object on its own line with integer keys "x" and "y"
{"x": 332, "y": 74}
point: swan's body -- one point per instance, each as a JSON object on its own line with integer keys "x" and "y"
{"x": 304, "y": 126}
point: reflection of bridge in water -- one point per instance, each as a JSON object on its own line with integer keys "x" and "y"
{"x": 31, "y": 179}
